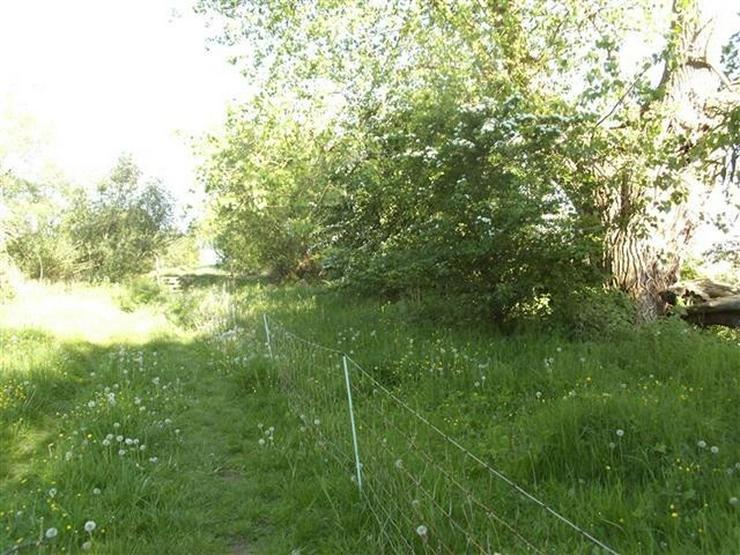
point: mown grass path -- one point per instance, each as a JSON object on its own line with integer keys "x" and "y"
{"x": 159, "y": 437}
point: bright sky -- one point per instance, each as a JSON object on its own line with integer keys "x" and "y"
{"x": 100, "y": 77}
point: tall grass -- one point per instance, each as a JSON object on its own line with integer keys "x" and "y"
{"x": 243, "y": 454}
{"x": 634, "y": 437}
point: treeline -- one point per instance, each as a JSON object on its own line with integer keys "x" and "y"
{"x": 499, "y": 152}
{"x": 60, "y": 232}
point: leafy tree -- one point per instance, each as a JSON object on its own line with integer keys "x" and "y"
{"x": 596, "y": 159}
{"x": 35, "y": 239}
{"x": 120, "y": 229}
{"x": 268, "y": 183}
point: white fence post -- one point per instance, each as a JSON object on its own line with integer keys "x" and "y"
{"x": 358, "y": 466}
{"x": 267, "y": 335}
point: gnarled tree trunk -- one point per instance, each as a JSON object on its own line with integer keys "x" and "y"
{"x": 649, "y": 226}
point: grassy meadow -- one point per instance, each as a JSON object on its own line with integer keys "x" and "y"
{"x": 135, "y": 420}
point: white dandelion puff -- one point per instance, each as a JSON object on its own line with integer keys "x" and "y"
{"x": 90, "y": 526}
{"x": 51, "y": 533}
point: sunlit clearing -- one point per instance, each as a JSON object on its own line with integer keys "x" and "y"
{"x": 81, "y": 313}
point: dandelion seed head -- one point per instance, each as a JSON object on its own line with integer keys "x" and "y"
{"x": 96, "y": 491}
{"x": 701, "y": 444}
{"x": 421, "y": 530}
{"x": 714, "y": 449}
{"x": 51, "y": 533}
{"x": 87, "y": 546}
{"x": 620, "y": 432}
{"x": 90, "y": 526}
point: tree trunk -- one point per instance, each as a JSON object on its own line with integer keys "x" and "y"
{"x": 649, "y": 226}
{"x": 637, "y": 270}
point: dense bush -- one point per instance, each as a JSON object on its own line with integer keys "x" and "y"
{"x": 592, "y": 312}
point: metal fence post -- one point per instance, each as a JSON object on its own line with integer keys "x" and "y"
{"x": 358, "y": 465}
{"x": 267, "y": 335}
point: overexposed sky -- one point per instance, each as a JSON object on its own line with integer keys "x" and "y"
{"x": 99, "y": 77}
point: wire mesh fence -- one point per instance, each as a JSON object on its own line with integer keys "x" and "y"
{"x": 426, "y": 491}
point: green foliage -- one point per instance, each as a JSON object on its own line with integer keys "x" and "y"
{"x": 182, "y": 252}
{"x": 593, "y": 312}
{"x": 267, "y": 188}
{"x": 36, "y": 238}
{"x": 119, "y": 230}
{"x": 731, "y": 57}
{"x": 57, "y": 232}
{"x": 139, "y": 291}
{"x": 456, "y": 197}
{"x": 498, "y": 151}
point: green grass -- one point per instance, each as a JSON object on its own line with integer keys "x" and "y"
{"x": 202, "y": 484}
{"x": 238, "y": 471}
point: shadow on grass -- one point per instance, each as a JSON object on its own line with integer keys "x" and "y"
{"x": 209, "y": 276}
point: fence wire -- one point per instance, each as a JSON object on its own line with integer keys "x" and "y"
{"x": 425, "y": 490}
